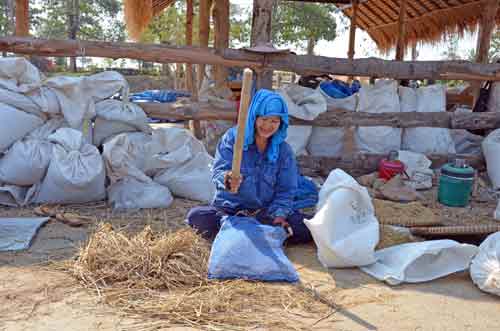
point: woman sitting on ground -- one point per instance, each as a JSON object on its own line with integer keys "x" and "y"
{"x": 269, "y": 175}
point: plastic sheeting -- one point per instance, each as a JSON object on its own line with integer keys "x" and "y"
{"x": 18, "y": 233}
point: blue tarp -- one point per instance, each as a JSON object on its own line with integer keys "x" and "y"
{"x": 338, "y": 89}
{"x": 247, "y": 249}
{"x": 158, "y": 96}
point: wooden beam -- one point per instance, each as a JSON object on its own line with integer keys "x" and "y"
{"x": 336, "y": 117}
{"x": 261, "y": 34}
{"x": 221, "y": 16}
{"x": 204, "y": 34}
{"x": 487, "y": 24}
{"x": 401, "y": 45}
{"x": 361, "y": 164}
{"x": 22, "y": 18}
{"x": 352, "y": 30}
{"x": 302, "y": 64}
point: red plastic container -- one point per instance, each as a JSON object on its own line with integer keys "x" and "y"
{"x": 390, "y": 168}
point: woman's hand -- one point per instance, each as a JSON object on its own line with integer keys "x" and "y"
{"x": 230, "y": 182}
{"x": 282, "y": 222}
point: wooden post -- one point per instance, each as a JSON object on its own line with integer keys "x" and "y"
{"x": 22, "y": 18}
{"x": 352, "y": 30}
{"x": 204, "y": 33}
{"x": 401, "y": 46}
{"x": 261, "y": 33}
{"x": 221, "y": 16}
{"x": 486, "y": 26}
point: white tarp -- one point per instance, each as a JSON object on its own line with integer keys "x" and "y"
{"x": 326, "y": 141}
{"x": 426, "y": 140}
{"x": 130, "y": 193}
{"x": 18, "y": 75}
{"x": 485, "y": 267}
{"x": 382, "y": 97}
{"x": 344, "y": 228}
{"x": 114, "y": 117}
{"x": 76, "y": 171}
{"x": 420, "y": 262}
{"x": 15, "y": 124}
{"x": 26, "y": 162}
{"x": 188, "y": 175}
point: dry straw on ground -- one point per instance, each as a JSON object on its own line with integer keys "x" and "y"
{"x": 164, "y": 277}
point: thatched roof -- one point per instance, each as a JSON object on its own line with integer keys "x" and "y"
{"x": 427, "y": 20}
{"x": 138, "y": 14}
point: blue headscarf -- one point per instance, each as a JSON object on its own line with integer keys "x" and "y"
{"x": 267, "y": 103}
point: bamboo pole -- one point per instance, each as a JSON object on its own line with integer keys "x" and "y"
{"x": 221, "y": 16}
{"x": 352, "y": 30}
{"x": 401, "y": 46}
{"x": 204, "y": 34}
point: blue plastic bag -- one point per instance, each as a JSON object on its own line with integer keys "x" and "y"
{"x": 247, "y": 249}
{"x": 162, "y": 96}
{"x": 338, "y": 89}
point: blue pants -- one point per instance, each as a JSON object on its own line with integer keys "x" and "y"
{"x": 206, "y": 220}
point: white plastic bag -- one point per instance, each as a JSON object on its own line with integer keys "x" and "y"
{"x": 417, "y": 167}
{"x": 15, "y": 124}
{"x": 21, "y": 102}
{"x": 426, "y": 140}
{"x": 420, "y": 262}
{"x": 16, "y": 196}
{"x": 190, "y": 179}
{"x": 485, "y": 267}
{"x": 326, "y": 141}
{"x": 491, "y": 151}
{"x": 114, "y": 117}
{"x": 26, "y": 162}
{"x": 76, "y": 171}
{"x": 130, "y": 193}
{"x": 344, "y": 228}
{"x": 382, "y": 97}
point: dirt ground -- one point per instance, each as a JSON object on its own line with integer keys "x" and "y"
{"x": 36, "y": 296}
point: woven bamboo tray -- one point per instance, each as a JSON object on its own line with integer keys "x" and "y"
{"x": 456, "y": 230}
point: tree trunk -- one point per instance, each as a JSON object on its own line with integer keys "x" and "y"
{"x": 73, "y": 26}
{"x": 261, "y": 34}
{"x": 311, "y": 43}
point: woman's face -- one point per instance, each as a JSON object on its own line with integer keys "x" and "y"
{"x": 266, "y": 126}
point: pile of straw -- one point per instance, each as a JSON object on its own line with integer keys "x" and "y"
{"x": 164, "y": 277}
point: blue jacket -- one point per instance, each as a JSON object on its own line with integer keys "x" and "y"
{"x": 266, "y": 184}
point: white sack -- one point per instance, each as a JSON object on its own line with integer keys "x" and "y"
{"x": 16, "y": 196}
{"x": 114, "y": 117}
{"x": 496, "y": 213}
{"x": 18, "y": 75}
{"x": 382, "y": 97}
{"x": 15, "y": 124}
{"x": 190, "y": 179}
{"x": 76, "y": 171}
{"x": 46, "y": 99}
{"x": 105, "y": 84}
{"x": 417, "y": 167}
{"x": 491, "y": 151}
{"x": 420, "y": 262}
{"x": 303, "y": 103}
{"x": 127, "y": 155}
{"x": 298, "y": 138}
{"x": 21, "y": 102}
{"x": 326, "y": 141}
{"x": 426, "y": 140}
{"x": 466, "y": 142}
{"x": 485, "y": 267}
{"x": 130, "y": 193}
{"x": 26, "y": 162}
{"x": 344, "y": 228}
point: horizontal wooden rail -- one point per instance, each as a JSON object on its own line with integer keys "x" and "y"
{"x": 361, "y": 164}
{"x": 302, "y": 64}
{"x": 335, "y": 117}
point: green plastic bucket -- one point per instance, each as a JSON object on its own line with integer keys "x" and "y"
{"x": 455, "y": 184}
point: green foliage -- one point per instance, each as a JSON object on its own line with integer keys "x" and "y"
{"x": 303, "y": 24}
{"x": 98, "y": 19}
